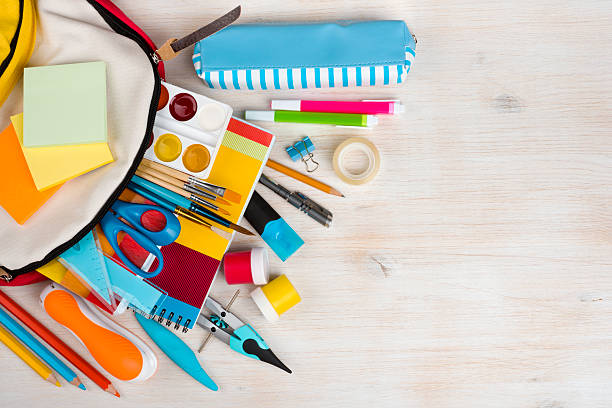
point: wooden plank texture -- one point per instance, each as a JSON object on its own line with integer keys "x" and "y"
{"x": 475, "y": 271}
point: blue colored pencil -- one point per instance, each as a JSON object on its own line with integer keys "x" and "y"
{"x": 36, "y": 346}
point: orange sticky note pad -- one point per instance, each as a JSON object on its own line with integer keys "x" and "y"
{"x": 18, "y": 193}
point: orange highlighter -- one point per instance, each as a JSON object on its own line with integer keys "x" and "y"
{"x": 116, "y": 349}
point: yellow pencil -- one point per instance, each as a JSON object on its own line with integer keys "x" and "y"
{"x": 27, "y": 356}
{"x": 303, "y": 178}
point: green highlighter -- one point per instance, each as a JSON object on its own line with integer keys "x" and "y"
{"x": 322, "y": 118}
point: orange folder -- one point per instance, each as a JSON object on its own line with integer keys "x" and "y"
{"x": 18, "y": 193}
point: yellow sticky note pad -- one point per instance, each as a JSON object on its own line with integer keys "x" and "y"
{"x": 53, "y": 165}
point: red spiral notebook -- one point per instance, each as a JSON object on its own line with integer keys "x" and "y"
{"x": 190, "y": 263}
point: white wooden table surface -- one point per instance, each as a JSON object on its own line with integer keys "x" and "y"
{"x": 475, "y": 271}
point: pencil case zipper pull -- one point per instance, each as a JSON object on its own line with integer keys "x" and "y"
{"x": 173, "y": 46}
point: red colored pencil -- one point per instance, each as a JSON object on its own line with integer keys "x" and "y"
{"x": 55, "y": 342}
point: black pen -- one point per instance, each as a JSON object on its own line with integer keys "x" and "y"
{"x": 299, "y": 201}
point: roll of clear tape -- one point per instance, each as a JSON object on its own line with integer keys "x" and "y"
{"x": 351, "y": 145}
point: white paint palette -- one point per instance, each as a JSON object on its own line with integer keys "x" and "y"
{"x": 188, "y": 130}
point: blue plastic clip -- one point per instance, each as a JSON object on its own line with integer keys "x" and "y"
{"x": 303, "y": 150}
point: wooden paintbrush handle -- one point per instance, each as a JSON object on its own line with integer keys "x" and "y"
{"x": 166, "y": 170}
{"x": 162, "y": 176}
{"x": 183, "y": 186}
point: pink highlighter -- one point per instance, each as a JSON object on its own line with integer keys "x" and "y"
{"x": 369, "y": 107}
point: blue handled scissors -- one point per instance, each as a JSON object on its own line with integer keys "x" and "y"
{"x": 148, "y": 240}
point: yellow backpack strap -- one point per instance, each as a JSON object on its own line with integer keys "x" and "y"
{"x": 17, "y": 38}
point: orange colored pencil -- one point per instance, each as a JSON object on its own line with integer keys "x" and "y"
{"x": 55, "y": 342}
{"x": 303, "y": 178}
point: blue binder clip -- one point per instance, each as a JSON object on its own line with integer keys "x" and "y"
{"x": 303, "y": 150}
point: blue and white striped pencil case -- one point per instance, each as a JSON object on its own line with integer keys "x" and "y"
{"x": 296, "y": 56}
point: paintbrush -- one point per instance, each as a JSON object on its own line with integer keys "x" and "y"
{"x": 218, "y": 190}
{"x": 191, "y": 196}
{"x": 178, "y": 210}
{"x": 179, "y": 200}
{"x": 180, "y": 184}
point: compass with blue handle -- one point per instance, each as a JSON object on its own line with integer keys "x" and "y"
{"x": 240, "y": 336}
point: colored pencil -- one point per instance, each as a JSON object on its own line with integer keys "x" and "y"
{"x": 180, "y": 184}
{"x": 27, "y": 356}
{"x": 220, "y": 191}
{"x": 179, "y": 191}
{"x": 36, "y": 346}
{"x": 179, "y": 200}
{"x": 303, "y": 178}
{"x": 57, "y": 344}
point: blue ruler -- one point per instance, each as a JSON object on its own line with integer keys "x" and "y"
{"x": 86, "y": 260}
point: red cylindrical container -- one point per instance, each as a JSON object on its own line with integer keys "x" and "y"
{"x": 247, "y": 267}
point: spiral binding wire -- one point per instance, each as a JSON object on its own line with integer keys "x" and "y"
{"x": 160, "y": 318}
